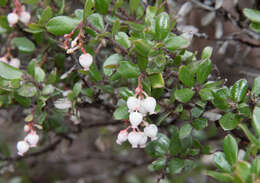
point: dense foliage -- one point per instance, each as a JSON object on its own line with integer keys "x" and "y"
{"x": 101, "y": 57}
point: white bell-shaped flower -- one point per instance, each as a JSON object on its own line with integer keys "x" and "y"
{"x": 26, "y": 128}
{"x": 32, "y": 139}
{"x": 134, "y": 138}
{"x": 122, "y": 137}
{"x": 151, "y": 131}
{"x": 85, "y": 60}
{"x": 148, "y": 105}
{"x": 62, "y": 103}
{"x": 133, "y": 103}
{"x": 12, "y": 19}
{"x": 25, "y": 17}
{"x": 135, "y": 119}
{"x": 15, "y": 62}
{"x": 22, "y": 147}
{"x": 143, "y": 140}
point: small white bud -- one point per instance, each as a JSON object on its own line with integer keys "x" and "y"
{"x": 122, "y": 137}
{"x": 133, "y": 103}
{"x": 151, "y": 131}
{"x": 32, "y": 139}
{"x": 149, "y": 104}
{"x": 85, "y": 60}
{"x": 15, "y": 62}
{"x": 26, "y": 128}
{"x": 25, "y": 17}
{"x": 62, "y": 103}
{"x": 22, "y": 147}
{"x": 143, "y": 140}
{"x": 12, "y": 19}
{"x": 135, "y": 119}
{"x": 134, "y": 138}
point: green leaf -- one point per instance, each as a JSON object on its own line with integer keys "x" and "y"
{"x": 158, "y": 147}
{"x": 204, "y": 70}
{"x": 239, "y": 90}
{"x": 252, "y": 14}
{"x": 116, "y": 27}
{"x": 256, "y": 120}
{"x": 97, "y": 20}
{"x": 221, "y": 162}
{"x": 157, "y": 80}
{"x": 77, "y": 88}
{"x": 223, "y": 177}
{"x": 229, "y": 121}
{"x": 24, "y": 101}
{"x": 9, "y": 72}
{"x": 134, "y": 5}
{"x": 206, "y": 53}
{"x": 111, "y": 63}
{"x": 27, "y": 90}
{"x": 200, "y": 123}
{"x": 94, "y": 73}
{"x": 256, "y": 86}
{"x": 128, "y": 70}
{"x": 255, "y": 27}
{"x": 249, "y": 134}
{"x": 101, "y": 6}
{"x": 121, "y": 113}
{"x": 184, "y": 95}
{"x": 175, "y": 42}
{"x": 39, "y": 74}
{"x": 125, "y": 93}
{"x": 230, "y": 149}
{"x": 61, "y": 25}
{"x": 186, "y": 76}
{"x": 185, "y": 131}
{"x": 123, "y": 39}
{"x": 176, "y": 165}
{"x": 162, "y": 26}
{"x": 23, "y": 44}
{"x": 220, "y": 98}
{"x": 87, "y": 9}
{"x": 206, "y": 94}
{"x": 142, "y": 47}
{"x": 159, "y": 164}
{"x": 48, "y": 89}
{"x": 242, "y": 170}
{"x": 3, "y": 2}
{"x": 46, "y": 15}
{"x": 255, "y": 169}
{"x": 175, "y": 144}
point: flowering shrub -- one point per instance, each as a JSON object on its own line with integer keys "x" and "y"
{"x": 128, "y": 57}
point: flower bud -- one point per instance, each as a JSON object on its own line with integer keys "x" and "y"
{"x": 26, "y": 128}
{"x": 85, "y": 60}
{"x": 148, "y": 105}
{"x": 151, "y": 131}
{"x": 132, "y": 103}
{"x": 122, "y": 137}
{"x": 134, "y": 138}
{"x": 32, "y": 139}
{"x": 135, "y": 119}
{"x": 25, "y": 17}
{"x": 12, "y": 19}
{"x": 15, "y": 62}
{"x": 22, "y": 147}
{"x": 62, "y": 103}
{"x": 143, "y": 140}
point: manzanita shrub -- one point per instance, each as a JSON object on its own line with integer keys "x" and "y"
{"x": 164, "y": 94}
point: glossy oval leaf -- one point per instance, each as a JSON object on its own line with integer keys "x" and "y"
{"x": 9, "y": 72}
{"x": 162, "y": 26}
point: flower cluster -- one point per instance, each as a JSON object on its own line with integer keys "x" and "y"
{"x": 31, "y": 139}
{"x": 85, "y": 59}
{"x": 18, "y": 14}
{"x": 139, "y": 106}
